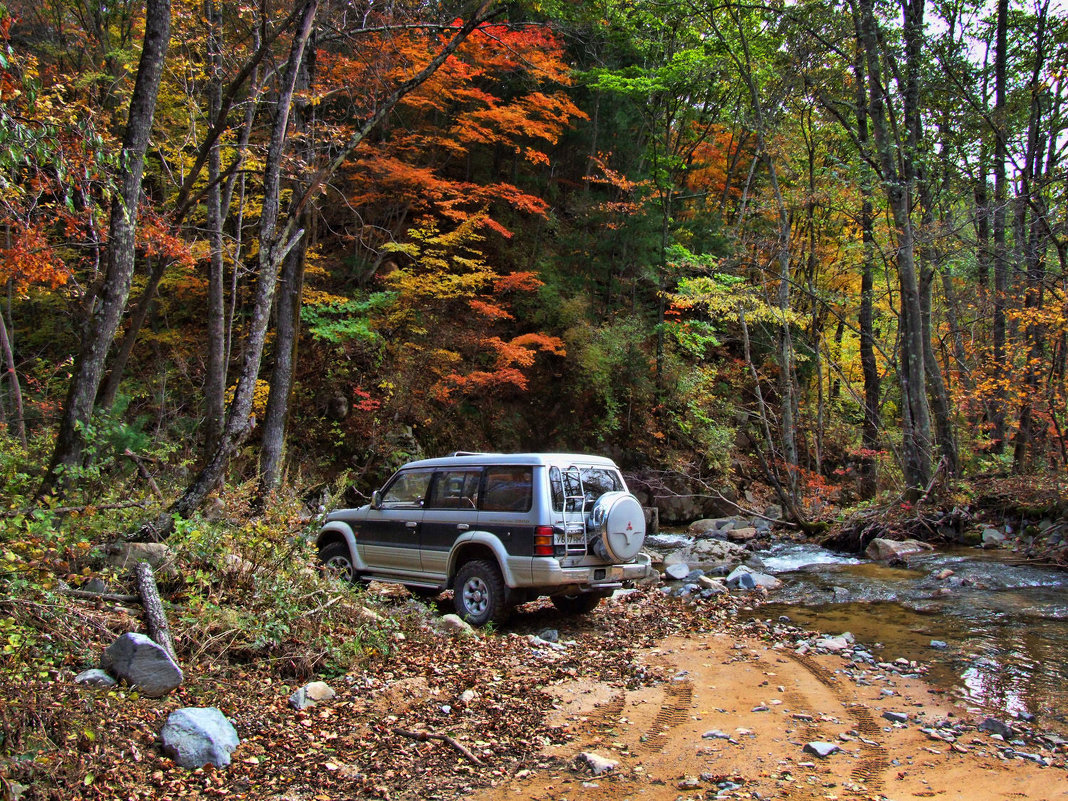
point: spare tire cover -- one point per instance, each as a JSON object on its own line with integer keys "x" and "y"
{"x": 619, "y": 519}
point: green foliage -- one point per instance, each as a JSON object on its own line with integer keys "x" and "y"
{"x": 339, "y": 322}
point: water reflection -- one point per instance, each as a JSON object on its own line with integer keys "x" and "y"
{"x": 1005, "y": 627}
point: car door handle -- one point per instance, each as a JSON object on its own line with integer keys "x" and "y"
{"x": 462, "y": 526}
{"x": 411, "y": 524}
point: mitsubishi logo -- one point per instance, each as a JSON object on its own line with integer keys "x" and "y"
{"x": 630, "y": 526}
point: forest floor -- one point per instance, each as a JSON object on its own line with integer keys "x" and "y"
{"x": 689, "y": 699}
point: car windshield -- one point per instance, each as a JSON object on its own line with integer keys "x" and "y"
{"x": 580, "y": 487}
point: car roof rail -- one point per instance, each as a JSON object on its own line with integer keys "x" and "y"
{"x": 467, "y": 453}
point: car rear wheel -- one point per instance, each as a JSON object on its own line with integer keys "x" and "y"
{"x": 479, "y": 594}
{"x": 336, "y": 562}
{"x": 578, "y": 604}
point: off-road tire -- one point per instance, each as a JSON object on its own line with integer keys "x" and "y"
{"x": 336, "y": 561}
{"x": 479, "y": 593}
{"x": 579, "y": 604}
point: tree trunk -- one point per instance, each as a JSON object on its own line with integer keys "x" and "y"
{"x": 892, "y": 149}
{"x": 106, "y": 398}
{"x": 13, "y": 381}
{"x": 215, "y": 377}
{"x": 1001, "y": 256}
{"x": 111, "y": 300}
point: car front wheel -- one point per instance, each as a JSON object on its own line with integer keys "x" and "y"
{"x": 479, "y": 594}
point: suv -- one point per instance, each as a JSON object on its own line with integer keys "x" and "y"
{"x": 497, "y": 529}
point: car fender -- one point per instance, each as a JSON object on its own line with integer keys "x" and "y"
{"x": 490, "y": 541}
{"x": 338, "y": 529}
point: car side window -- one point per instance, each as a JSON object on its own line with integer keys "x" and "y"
{"x": 455, "y": 489}
{"x": 508, "y": 489}
{"x": 407, "y": 491}
{"x": 581, "y": 486}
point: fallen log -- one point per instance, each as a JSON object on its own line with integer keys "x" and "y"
{"x": 155, "y": 615}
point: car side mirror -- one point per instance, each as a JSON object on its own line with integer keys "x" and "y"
{"x": 376, "y": 499}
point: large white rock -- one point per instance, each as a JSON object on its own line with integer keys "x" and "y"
{"x": 197, "y": 736}
{"x": 143, "y": 664}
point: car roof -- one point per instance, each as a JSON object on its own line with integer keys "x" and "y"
{"x": 482, "y": 459}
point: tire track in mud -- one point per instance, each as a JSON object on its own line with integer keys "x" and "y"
{"x": 674, "y": 710}
{"x": 874, "y": 760}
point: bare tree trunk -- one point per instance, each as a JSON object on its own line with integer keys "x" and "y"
{"x": 107, "y": 310}
{"x": 893, "y": 149}
{"x": 287, "y": 327}
{"x": 215, "y": 378}
{"x": 106, "y": 398}
{"x": 155, "y": 615}
{"x": 13, "y": 381}
{"x": 1001, "y": 257}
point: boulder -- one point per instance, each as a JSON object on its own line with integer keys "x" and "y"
{"x": 883, "y": 550}
{"x": 704, "y": 553}
{"x": 745, "y": 578}
{"x": 742, "y": 534}
{"x": 126, "y": 555}
{"x": 143, "y": 664}
{"x": 198, "y": 736}
{"x": 992, "y": 538}
{"x": 716, "y": 527}
{"x": 311, "y": 694}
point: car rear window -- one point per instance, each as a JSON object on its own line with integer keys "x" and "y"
{"x": 582, "y": 486}
{"x": 508, "y": 489}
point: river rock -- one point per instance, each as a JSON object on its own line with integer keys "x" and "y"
{"x": 883, "y": 550}
{"x": 198, "y": 736}
{"x": 143, "y": 664}
{"x": 992, "y": 538}
{"x": 716, "y": 528}
{"x": 742, "y": 534}
{"x": 746, "y": 578}
{"x": 677, "y": 571}
{"x": 705, "y": 553}
{"x": 452, "y": 622}
{"x": 995, "y": 726}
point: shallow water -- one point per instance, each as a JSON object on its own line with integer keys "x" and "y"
{"x": 1005, "y": 626}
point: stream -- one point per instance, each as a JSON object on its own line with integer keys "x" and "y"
{"x": 994, "y": 634}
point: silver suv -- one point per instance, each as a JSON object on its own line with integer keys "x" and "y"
{"x": 497, "y": 529}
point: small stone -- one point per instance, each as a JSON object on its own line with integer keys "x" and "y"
{"x": 896, "y": 717}
{"x": 94, "y": 677}
{"x": 689, "y": 783}
{"x": 715, "y": 734}
{"x": 598, "y": 764}
{"x": 455, "y": 623}
{"x": 821, "y": 749}
{"x": 467, "y": 696}
{"x": 311, "y": 694}
{"x": 549, "y": 635}
{"x": 940, "y": 644}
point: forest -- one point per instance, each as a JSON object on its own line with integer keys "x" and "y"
{"x": 818, "y": 245}
{"x": 255, "y": 256}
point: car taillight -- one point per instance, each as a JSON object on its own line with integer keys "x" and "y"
{"x": 543, "y": 541}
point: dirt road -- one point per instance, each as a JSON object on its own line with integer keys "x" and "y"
{"x": 733, "y": 720}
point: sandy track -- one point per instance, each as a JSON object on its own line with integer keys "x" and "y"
{"x": 769, "y": 703}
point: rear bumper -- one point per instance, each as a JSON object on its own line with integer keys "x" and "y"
{"x": 551, "y": 577}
